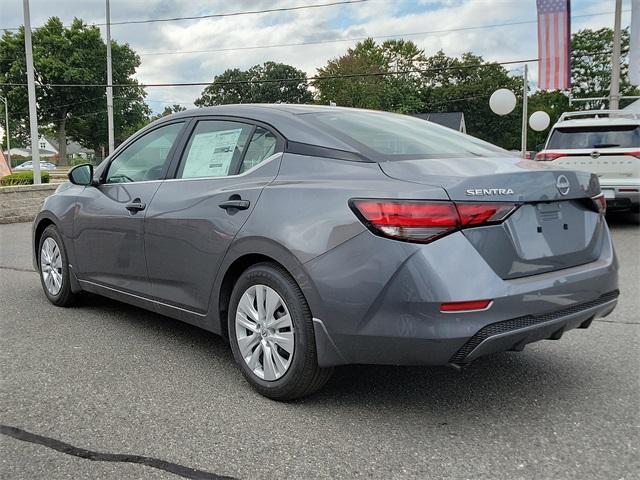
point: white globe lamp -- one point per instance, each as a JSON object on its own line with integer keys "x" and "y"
{"x": 502, "y": 101}
{"x": 539, "y": 121}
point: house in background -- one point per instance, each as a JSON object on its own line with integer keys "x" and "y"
{"x": 453, "y": 120}
{"x": 49, "y": 149}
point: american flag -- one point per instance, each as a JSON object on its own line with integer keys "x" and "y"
{"x": 554, "y": 40}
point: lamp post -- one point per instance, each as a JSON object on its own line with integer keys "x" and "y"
{"x": 31, "y": 89}
{"x": 109, "y": 83}
{"x": 525, "y": 104}
{"x": 6, "y": 130}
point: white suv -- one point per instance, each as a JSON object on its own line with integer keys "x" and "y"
{"x": 605, "y": 142}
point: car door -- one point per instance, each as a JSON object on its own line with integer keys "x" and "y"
{"x": 109, "y": 220}
{"x": 195, "y": 216}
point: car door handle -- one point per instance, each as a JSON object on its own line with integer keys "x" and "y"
{"x": 237, "y": 204}
{"x": 135, "y": 206}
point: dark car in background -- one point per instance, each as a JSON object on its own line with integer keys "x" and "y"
{"x": 313, "y": 237}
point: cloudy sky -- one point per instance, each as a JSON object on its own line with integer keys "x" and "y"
{"x": 432, "y": 24}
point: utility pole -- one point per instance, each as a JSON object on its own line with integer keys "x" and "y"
{"x": 525, "y": 101}
{"x": 109, "y": 84}
{"x": 6, "y": 130}
{"x": 614, "y": 93}
{"x": 31, "y": 88}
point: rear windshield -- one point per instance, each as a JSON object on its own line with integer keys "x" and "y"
{"x": 383, "y": 136}
{"x": 622, "y": 136}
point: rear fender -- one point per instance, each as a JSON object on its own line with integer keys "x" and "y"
{"x": 270, "y": 250}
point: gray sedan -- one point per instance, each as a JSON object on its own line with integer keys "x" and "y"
{"x": 312, "y": 237}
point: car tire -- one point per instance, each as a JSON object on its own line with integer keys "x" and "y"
{"x": 53, "y": 266}
{"x": 301, "y": 376}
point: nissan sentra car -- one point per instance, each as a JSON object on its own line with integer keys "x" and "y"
{"x": 314, "y": 236}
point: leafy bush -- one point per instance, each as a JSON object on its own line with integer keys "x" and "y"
{"x": 78, "y": 161}
{"x": 22, "y": 178}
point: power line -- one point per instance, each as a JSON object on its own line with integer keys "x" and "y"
{"x": 351, "y": 39}
{"x": 87, "y": 114}
{"x": 79, "y": 102}
{"x": 221, "y": 15}
{"x": 279, "y": 80}
{"x": 166, "y": 101}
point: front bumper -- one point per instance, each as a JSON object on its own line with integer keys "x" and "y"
{"x": 384, "y": 309}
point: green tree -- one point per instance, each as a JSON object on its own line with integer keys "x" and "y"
{"x": 590, "y": 77}
{"x": 464, "y": 85}
{"x": 259, "y": 84}
{"x": 391, "y": 82}
{"x": 71, "y": 55}
{"x": 168, "y": 110}
{"x": 591, "y": 66}
{"x": 554, "y": 103}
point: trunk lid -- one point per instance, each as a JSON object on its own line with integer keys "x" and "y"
{"x": 554, "y": 227}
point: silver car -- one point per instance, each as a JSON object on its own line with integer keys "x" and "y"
{"x": 312, "y": 237}
{"x": 28, "y": 165}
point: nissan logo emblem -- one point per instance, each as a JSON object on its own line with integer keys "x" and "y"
{"x": 563, "y": 185}
{"x": 595, "y": 154}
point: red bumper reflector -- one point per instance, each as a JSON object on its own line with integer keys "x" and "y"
{"x": 465, "y": 306}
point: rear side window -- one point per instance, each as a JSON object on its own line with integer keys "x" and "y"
{"x": 385, "y": 136}
{"x": 263, "y": 145}
{"x": 215, "y": 149}
{"x": 622, "y": 136}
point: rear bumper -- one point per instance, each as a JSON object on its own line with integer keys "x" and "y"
{"x": 495, "y": 337}
{"x": 383, "y": 308}
{"x": 627, "y": 197}
{"x": 516, "y": 333}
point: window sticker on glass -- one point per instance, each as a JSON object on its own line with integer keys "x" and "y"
{"x": 211, "y": 153}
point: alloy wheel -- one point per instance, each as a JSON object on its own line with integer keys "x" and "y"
{"x": 51, "y": 265}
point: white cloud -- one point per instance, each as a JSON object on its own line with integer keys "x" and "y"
{"x": 373, "y": 18}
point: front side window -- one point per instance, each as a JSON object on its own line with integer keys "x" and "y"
{"x": 620, "y": 136}
{"x": 385, "y": 136}
{"x": 215, "y": 149}
{"x": 145, "y": 158}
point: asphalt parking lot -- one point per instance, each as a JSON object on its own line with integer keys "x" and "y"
{"x": 110, "y": 378}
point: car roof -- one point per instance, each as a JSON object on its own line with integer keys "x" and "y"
{"x": 287, "y": 119}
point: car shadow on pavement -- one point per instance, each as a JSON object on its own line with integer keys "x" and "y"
{"x": 503, "y": 381}
{"x": 622, "y": 220}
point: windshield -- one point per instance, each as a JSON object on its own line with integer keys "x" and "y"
{"x": 622, "y": 136}
{"x": 385, "y": 136}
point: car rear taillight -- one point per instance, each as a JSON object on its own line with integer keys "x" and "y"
{"x": 472, "y": 214}
{"x": 633, "y": 154}
{"x": 547, "y": 156}
{"x": 601, "y": 203}
{"x": 424, "y": 221}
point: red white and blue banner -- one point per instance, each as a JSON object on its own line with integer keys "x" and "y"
{"x": 554, "y": 44}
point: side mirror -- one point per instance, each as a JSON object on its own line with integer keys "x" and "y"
{"x": 81, "y": 174}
